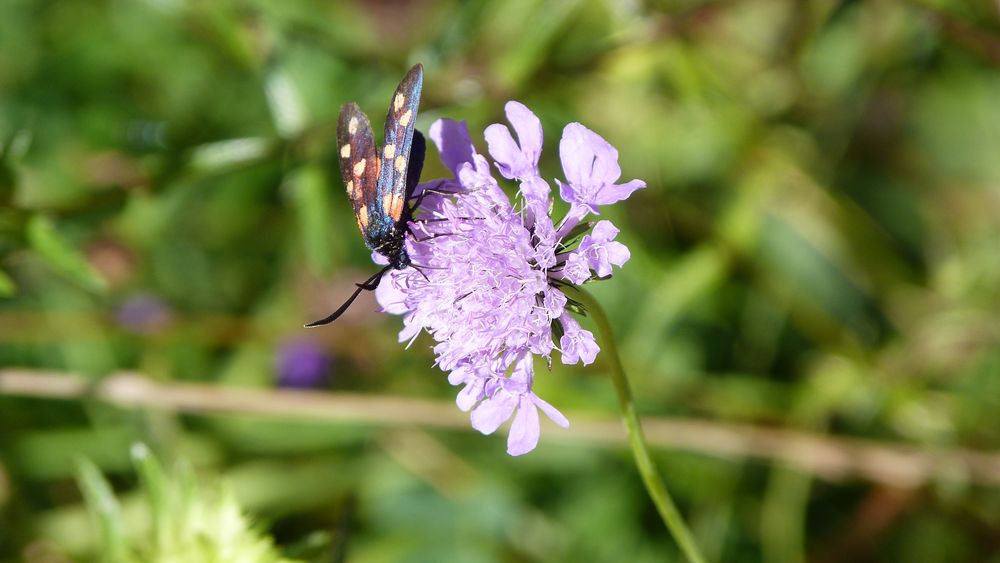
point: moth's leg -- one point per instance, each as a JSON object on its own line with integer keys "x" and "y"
{"x": 368, "y": 285}
{"x": 442, "y": 219}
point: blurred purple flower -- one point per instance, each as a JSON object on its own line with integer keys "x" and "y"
{"x": 302, "y": 364}
{"x": 486, "y": 275}
{"x": 143, "y": 313}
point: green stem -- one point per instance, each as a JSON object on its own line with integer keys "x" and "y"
{"x": 650, "y": 476}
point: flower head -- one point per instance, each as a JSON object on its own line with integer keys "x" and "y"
{"x": 486, "y": 274}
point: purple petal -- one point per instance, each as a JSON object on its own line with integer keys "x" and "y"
{"x": 409, "y": 332}
{"x": 544, "y": 253}
{"x": 612, "y": 193}
{"x": 524, "y": 431}
{"x": 523, "y": 374}
{"x": 600, "y": 251}
{"x": 379, "y": 259}
{"x": 528, "y": 128}
{"x": 461, "y": 375}
{"x": 576, "y": 269}
{"x": 554, "y": 302}
{"x": 516, "y": 159}
{"x": 575, "y": 215}
{"x": 475, "y": 175}
{"x": 504, "y": 150}
{"x": 391, "y": 294}
{"x": 580, "y": 200}
{"x": 587, "y": 347}
{"x": 469, "y": 395}
{"x": 575, "y": 154}
{"x": 492, "y": 412}
{"x": 604, "y": 231}
{"x": 453, "y": 143}
{"x": 591, "y": 168}
{"x": 577, "y": 344}
{"x": 605, "y": 169}
{"x": 617, "y": 254}
{"x": 536, "y": 189}
{"x": 550, "y": 411}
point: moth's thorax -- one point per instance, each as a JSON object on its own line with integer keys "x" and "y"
{"x": 391, "y": 243}
{"x": 396, "y": 255}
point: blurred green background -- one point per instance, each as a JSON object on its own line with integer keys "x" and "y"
{"x": 818, "y": 250}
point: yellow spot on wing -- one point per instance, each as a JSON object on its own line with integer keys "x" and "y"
{"x": 396, "y": 211}
{"x": 399, "y": 101}
{"x": 404, "y": 119}
{"x": 363, "y": 217}
{"x": 359, "y": 167}
{"x": 345, "y": 151}
{"x": 352, "y": 126}
{"x": 389, "y": 151}
{"x": 393, "y": 205}
{"x": 400, "y": 164}
{"x": 350, "y": 189}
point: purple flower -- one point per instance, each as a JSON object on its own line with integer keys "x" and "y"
{"x": 499, "y": 396}
{"x": 302, "y": 364}
{"x": 597, "y": 252}
{"x": 453, "y": 143}
{"x": 143, "y": 313}
{"x": 514, "y": 161}
{"x": 577, "y": 344}
{"x": 591, "y": 167}
{"x": 486, "y": 274}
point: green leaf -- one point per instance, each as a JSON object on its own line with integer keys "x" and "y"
{"x": 311, "y": 195}
{"x": 156, "y": 486}
{"x": 17, "y": 147}
{"x": 525, "y": 56}
{"x": 7, "y": 286}
{"x": 12, "y": 153}
{"x": 222, "y": 156}
{"x": 287, "y": 109}
{"x": 103, "y": 505}
{"x": 61, "y": 255}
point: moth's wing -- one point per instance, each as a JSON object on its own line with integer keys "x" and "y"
{"x": 417, "y": 150}
{"x": 359, "y": 162}
{"x": 396, "y": 150}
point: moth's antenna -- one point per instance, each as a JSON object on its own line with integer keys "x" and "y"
{"x": 369, "y": 285}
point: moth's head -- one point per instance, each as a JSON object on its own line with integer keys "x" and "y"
{"x": 401, "y": 260}
{"x": 395, "y": 252}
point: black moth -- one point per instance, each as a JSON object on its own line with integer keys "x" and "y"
{"x": 380, "y": 183}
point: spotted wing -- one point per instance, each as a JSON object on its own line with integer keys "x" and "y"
{"x": 359, "y": 162}
{"x": 396, "y": 150}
